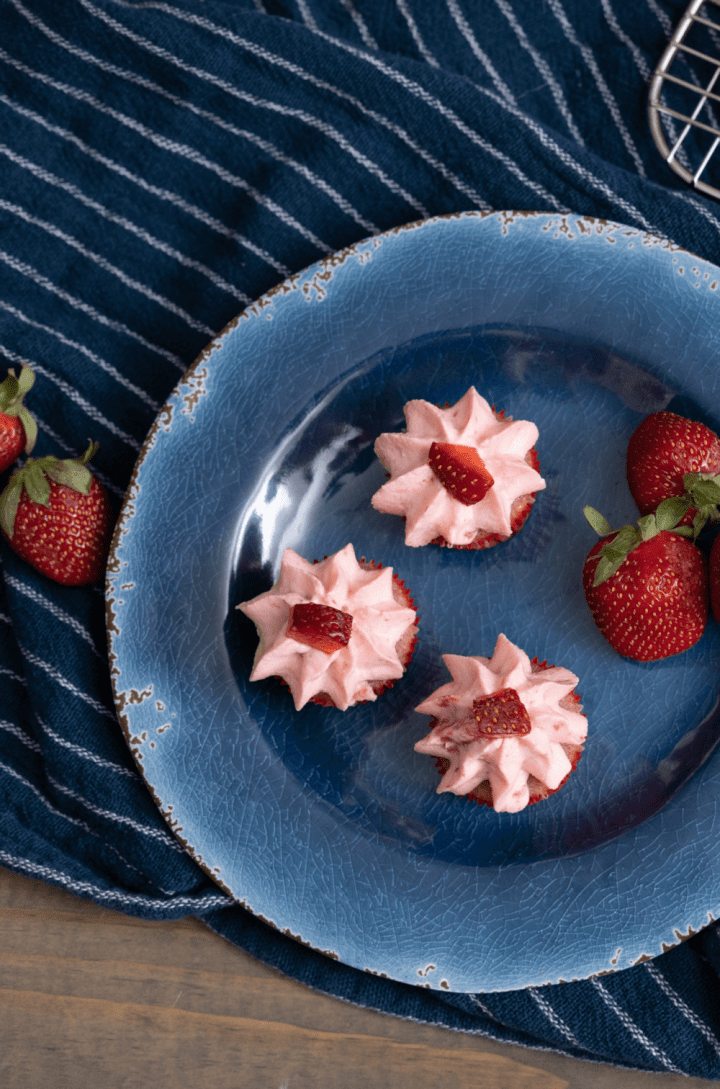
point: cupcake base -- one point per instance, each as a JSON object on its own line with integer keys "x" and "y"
{"x": 482, "y": 793}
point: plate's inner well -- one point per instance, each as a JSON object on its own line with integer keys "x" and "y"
{"x": 650, "y": 725}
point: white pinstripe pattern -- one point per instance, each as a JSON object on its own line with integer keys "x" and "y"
{"x": 643, "y": 68}
{"x": 133, "y": 228}
{"x": 662, "y": 17}
{"x": 289, "y": 66}
{"x": 306, "y": 15}
{"x": 563, "y": 156}
{"x": 15, "y": 676}
{"x": 96, "y": 359}
{"x": 52, "y": 608}
{"x": 597, "y": 184}
{"x": 555, "y": 1020}
{"x": 56, "y": 676}
{"x": 48, "y": 430}
{"x": 184, "y": 151}
{"x": 106, "y": 266}
{"x": 481, "y": 1006}
{"x": 45, "y": 801}
{"x": 699, "y": 207}
{"x": 640, "y": 63}
{"x": 206, "y": 902}
{"x": 605, "y": 92}
{"x": 466, "y": 31}
{"x": 268, "y": 147}
{"x": 360, "y": 24}
{"x": 685, "y": 1010}
{"x": 543, "y": 68}
{"x": 85, "y": 754}
{"x": 302, "y": 115}
{"x": 11, "y": 728}
{"x": 78, "y": 304}
{"x": 416, "y": 35}
{"x": 72, "y": 394}
{"x": 534, "y": 127}
{"x": 71, "y": 820}
{"x": 434, "y": 103}
{"x": 636, "y": 1032}
{"x": 158, "y": 834}
{"x": 157, "y": 191}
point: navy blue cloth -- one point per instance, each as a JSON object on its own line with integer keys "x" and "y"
{"x": 162, "y": 165}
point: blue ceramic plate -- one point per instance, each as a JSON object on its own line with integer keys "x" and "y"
{"x": 327, "y": 825}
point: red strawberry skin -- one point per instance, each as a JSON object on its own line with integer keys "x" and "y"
{"x": 12, "y": 440}
{"x": 502, "y": 714}
{"x": 69, "y": 540}
{"x": 461, "y": 471}
{"x": 663, "y": 448}
{"x": 656, "y": 603}
{"x": 320, "y": 626}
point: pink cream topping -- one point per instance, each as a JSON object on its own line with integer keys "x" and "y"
{"x": 506, "y": 761}
{"x": 369, "y": 656}
{"x": 415, "y": 490}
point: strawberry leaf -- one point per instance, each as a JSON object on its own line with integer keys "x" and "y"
{"x": 9, "y": 501}
{"x": 671, "y": 511}
{"x": 34, "y": 480}
{"x": 31, "y": 429}
{"x": 648, "y": 526}
{"x": 598, "y": 522}
{"x": 12, "y": 391}
{"x": 8, "y": 392}
{"x": 706, "y": 492}
{"x": 615, "y": 552}
{"x": 607, "y": 566}
{"x": 72, "y": 474}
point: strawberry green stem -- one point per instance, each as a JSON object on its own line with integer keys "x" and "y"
{"x": 35, "y": 477}
{"x": 615, "y": 552}
{"x": 12, "y": 391}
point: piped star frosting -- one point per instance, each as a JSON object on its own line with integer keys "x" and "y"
{"x": 508, "y": 761}
{"x": 347, "y": 675}
{"x": 415, "y": 491}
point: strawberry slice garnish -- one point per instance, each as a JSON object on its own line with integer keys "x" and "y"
{"x": 671, "y": 456}
{"x": 502, "y": 714}
{"x": 18, "y": 429}
{"x": 461, "y": 471}
{"x": 320, "y": 626}
{"x": 647, "y": 585}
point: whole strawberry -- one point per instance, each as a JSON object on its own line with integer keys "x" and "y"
{"x": 669, "y": 455}
{"x": 18, "y": 430}
{"x": 57, "y": 516}
{"x": 647, "y": 585}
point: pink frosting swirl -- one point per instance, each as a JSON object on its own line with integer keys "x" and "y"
{"x": 507, "y": 762}
{"x": 378, "y": 623}
{"x": 414, "y": 490}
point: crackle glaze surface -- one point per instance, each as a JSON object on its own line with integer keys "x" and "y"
{"x": 327, "y": 824}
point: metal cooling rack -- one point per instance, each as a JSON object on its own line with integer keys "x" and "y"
{"x": 683, "y": 103}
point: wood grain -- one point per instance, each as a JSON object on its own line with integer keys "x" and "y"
{"x": 91, "y": 997}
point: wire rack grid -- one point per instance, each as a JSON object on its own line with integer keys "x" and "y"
{"x": 683, "y": 102}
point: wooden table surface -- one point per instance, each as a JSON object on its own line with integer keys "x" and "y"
{"x": 94, "y": 999}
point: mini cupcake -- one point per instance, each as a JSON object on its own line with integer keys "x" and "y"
{"x": 463, "y": 476}
{"x": 337, "y": 633}
{"x": 507, "y": 731}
